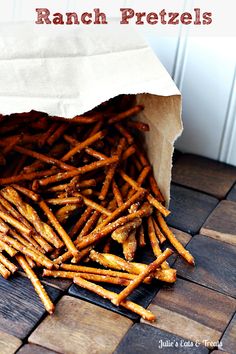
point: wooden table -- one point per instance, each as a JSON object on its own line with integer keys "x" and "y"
{"x": 195, "y": 315}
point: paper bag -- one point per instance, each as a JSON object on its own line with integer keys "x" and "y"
{"x": 66, "y": 73}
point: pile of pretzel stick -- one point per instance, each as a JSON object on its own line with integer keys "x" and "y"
{"x": 78, "y": 200}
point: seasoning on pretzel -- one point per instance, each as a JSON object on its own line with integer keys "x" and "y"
{"x": 73, "y": 187}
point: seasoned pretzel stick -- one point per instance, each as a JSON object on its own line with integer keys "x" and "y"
{"x": 79, "y": 147}
{"x": 9, "y": 265}
{"x": 115, "y": 262}
{"x": 91, "y": 270}
{"x": 173, "y": 240}
{"x": 128, "y": 152}
{"x": 155, "y": 189}
{"x": 150, "y": 198}
{"x": 130, "y": 246}
{"x": 125, "y": 133}
{"x": 79, "y": 171}
{"x": 101, "y": 233}
{"x": 57, "y": 134}
{"x": 141, "y": 126}
{"x": 88, "y": 150}
{"x": 154, "y": 242}
{"x": 28, "y": 251}
{"x": 92, "y": 204}
{"x": 141, "y": 236}
{"x": 111, "y": 170}
{"x": 65, "y": 237}
{"x": 93, "y": 277}
{"x": 65, "y": 212}
{"x": 30, "y": 194}
{"x": 158, "y": 232}
{"x": 99, "y": 290}
{"x": 65, "y": 201}
{"x": 8, "y": 249}
{"x": 139, "y": 279}
{"x": 128, "y": 113}
{"x": 122, "y": 233}
{"x": 81, "y": 221}
{"x": 27, "y": 176}
{"x": 15, "y": 223}
{"x": 31, "y": 215}
{"x": 39, "y": 288}
{"x": 117, "y": 193}
{"x": 48, "y": 159}
{"x": 4, "y": 271}
{"x": 4, "y": 228}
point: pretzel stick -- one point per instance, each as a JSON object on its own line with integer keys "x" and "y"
{"x": 62, "y": 201}
{"x": 111, "y": 170}
{"x": 128, "y": 152}
{"x": 27, "y": 176}
{"x": 39, "y": 288}
{"x": 57, "y": 134}
{"x": 177, "y": 245}
{"x": 88, "y": 150}
{"x": 115, "y": 262}
{"x": 150, "y": 198}
{"x": 117, "y": 193}
{"x": 130, "y": 246}
{"x": 4, "y": 271}
{"x": 15, "y": 223}
{"x": 143, "y": 175}
{"x": 125, "y": 133}
{"x": 65, "y": 212}
{"x": 9, "y": 265}
{"x": 122, "y": 233}
{"x": 141, "y": 126}
{"x": 141, "y": 237}
{"x": 27, "y": 251}
{"x": 31, "y": 215}
{"x": 93, "y": 205}
{"x": 81, "y": 221}
{"x": 97, "y": 235}
{"x": 48, "y": 159}
{"x": 104, "y": 293}
{"x": 65, "y": 237}
{"x": 8, "y": 249}
{"x": 44, "y": 137}
{"x": 4, "y": 228}
{"x": 91, "y": 270}
{"x": 155, "y": 189}
{"x": 93, "y": 277}
{"x": 154, "y": 242}
{"x": 79, "y": 171}
{"x": 128, "y": 113}
{"x": 79, "y": 147}
{"x": 139, "y": 279}
{"x": 158, "y": 232}
{"x": 30, "y": 194}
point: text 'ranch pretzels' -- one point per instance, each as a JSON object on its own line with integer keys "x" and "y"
{"x": 78, "y": 198}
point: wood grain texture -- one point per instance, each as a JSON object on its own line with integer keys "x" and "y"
{"x": 80, "y": 327}
{"x": 8, "y": 343}
{"x": 20, "y": 307}
{"x": 142, "y": 338}
{"x": 189, "y": 209}
{"x": 232, "y": 194}
{"x": 204, "y": 174}
{"x": 35, "y": 349}
{"x": 192, "y": 311}
{"x": 229, "y": 337}
{"x": 221, "y": 224}
{"x": 215, "y": 264}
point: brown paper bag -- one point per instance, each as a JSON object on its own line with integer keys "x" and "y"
{"x": 66, "y": 73}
